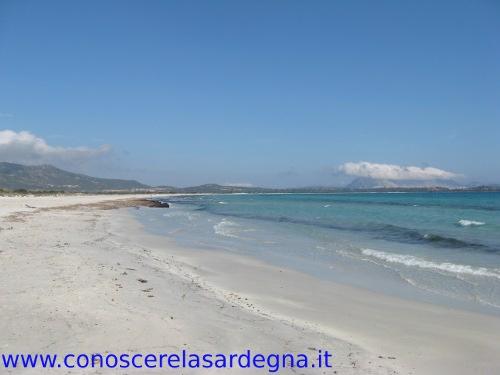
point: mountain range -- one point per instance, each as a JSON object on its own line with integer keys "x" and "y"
{"x": 49, "y": 178}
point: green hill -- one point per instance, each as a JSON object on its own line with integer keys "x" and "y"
{"x": 46, "y": 177}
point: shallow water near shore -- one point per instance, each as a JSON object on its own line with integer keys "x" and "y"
{"x": 441, "y": 248}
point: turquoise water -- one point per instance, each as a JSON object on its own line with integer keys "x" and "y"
{"x": 437, "y": 247}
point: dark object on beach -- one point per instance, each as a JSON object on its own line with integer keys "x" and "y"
{"x": 142, "y": 281}
{"x": 164, "y": 204}
{"x": 27, "y": 205}
{"x": 159, "y": 204}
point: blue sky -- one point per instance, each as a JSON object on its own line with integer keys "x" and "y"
{"x": 276, "y": 93}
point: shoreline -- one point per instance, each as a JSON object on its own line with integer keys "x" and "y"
{"x": 424, "y": 338}
{"x": 70, "y": 283}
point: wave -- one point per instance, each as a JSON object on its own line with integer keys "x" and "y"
{"x": 181, "y": 215}
{"x": 450, "y": 241}
{"x": 407, "y": 235}
{"x": 382, "y": 231}
{"x": 412, "y": 261}
{"x": 470, "y": 223}
{"x": 226, "y": 228}
{"x": 378, "y": 231}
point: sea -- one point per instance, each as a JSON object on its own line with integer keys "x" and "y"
{"x": 434, "y": 247}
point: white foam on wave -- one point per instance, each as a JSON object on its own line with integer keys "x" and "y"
{"x": 327, "y": 205}
{"x": 470, "y": 223}
{"x": 221, "y": 202}
{"x": 412, "y": 261}
{"x": 181, "y": 214}
{"x": 226, "y": 228}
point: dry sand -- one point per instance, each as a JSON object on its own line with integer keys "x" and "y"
{"x": 88, "y": 279}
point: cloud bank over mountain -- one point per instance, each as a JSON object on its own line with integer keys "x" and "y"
{"x": 394, "y": 172}
{"x": 26, "y": 148}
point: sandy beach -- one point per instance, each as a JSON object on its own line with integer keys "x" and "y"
{"x": 250, "y": 187}
{"x": 80, "y": 277}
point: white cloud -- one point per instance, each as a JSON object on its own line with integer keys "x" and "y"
{"x": 24, "y": 147}
{"x": 394, "y": 172}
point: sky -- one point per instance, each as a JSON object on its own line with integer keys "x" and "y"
{"x": 269, "y": 93}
